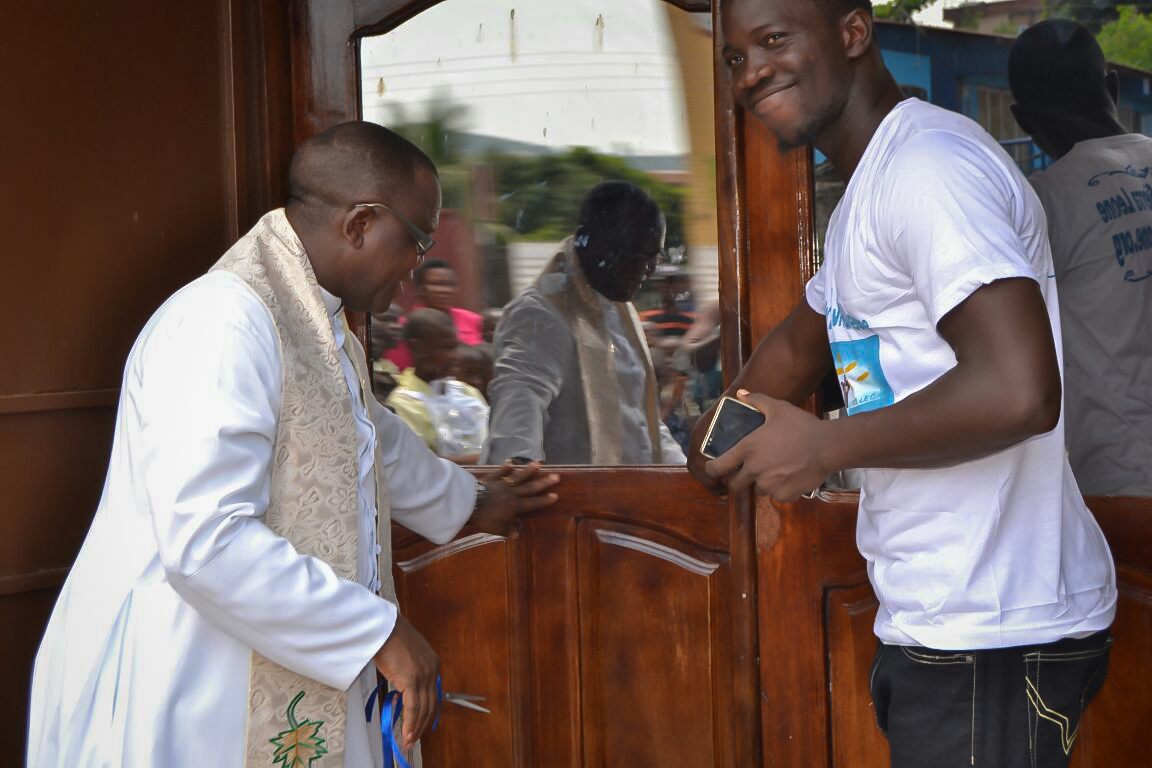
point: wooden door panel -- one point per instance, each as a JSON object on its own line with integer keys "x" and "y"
{"x": 651, "y": 615}
{"x": 815, "y": 664}
{"x": 553, "y": 690}
{"x": 610, "y": 630}
{"x": 857, "y": 742}
{"x": 465, "y": 598}
{"x": 802, "y": 550}
{"x": 1113, "y": 731}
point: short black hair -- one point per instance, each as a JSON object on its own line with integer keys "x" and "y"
{"x": 424, "y": 321}
{"x": 355, "y": 159}
{"x": 1057, "y": 62}
{"x": 475, "y": 353}
{"x": 418, "y": 275}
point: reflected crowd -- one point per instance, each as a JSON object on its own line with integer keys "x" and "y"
{"x": 607, "y": 357}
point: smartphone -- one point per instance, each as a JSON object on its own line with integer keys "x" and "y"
{"x": 731, "y": 423}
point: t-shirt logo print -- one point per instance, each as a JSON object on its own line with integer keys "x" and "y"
{"x": 862, "y": 380}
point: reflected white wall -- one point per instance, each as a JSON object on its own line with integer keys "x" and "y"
{"x": 558, "y": 74}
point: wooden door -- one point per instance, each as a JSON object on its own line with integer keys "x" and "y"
{"x": 810, "y": 573}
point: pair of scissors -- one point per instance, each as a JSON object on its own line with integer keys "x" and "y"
{"x": 466, "y": 700}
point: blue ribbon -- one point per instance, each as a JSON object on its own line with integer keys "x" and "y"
{"x": 392, "y": 705}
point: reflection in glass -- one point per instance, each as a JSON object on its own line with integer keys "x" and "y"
{"x": 524, "y": 108}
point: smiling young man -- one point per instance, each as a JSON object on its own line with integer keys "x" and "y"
{"x": 233, "y": 601}
{"x": 935, "y": 304}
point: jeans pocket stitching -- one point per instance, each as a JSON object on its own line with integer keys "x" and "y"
{"x": 1042, "y": 711}
{"x": 875, "y": 669}
{"x": 1069, "y": 656}
{"x": 931, "y": 658}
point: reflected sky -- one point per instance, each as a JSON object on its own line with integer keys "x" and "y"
{"x": 541, "y": 72}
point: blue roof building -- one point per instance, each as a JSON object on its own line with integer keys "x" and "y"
{"x": 968, "y": 72}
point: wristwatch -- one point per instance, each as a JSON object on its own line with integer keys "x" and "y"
{"x": 481, "y": 494}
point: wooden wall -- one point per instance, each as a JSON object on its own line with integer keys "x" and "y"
{"x": 140, "y": 138}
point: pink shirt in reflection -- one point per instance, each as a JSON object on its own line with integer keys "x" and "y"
{"x": 469, "y": 330}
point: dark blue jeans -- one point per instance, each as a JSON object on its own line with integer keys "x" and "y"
{"x": 1004, "y": 708}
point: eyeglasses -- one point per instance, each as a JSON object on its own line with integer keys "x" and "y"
{"x": 424, "y": 242}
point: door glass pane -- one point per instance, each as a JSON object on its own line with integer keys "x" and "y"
{"x": 525, "y": 108}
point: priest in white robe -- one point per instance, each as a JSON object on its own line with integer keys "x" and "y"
{"x": 573, "y": 381}
{"x": 233, "y": 602}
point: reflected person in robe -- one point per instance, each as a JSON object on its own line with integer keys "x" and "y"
{"x": 574, "y": 382}
{"x": 233, "y": 601}
{"x": 1098, "y": 197}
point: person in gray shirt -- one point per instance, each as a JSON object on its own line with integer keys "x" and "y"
{"x": 1098, "y": 198}
{"x": 574, "y": 382}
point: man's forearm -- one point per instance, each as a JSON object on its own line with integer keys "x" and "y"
{"x": 778, "y": 373}
{"x": 788, "y": 364}
{"x": 516, "y": 425}
{"x": 963, "y": 415}
{"x": 791, "y": 361}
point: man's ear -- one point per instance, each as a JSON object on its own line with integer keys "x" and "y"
{"x": 355, "y": 224}
{"x": 856, "y": 28}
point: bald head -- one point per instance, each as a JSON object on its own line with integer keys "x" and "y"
{"x": 349, "y": 163}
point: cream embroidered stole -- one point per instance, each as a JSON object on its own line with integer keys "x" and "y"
{"x": 581, "y": 308}
{"x": 314, "y": 497}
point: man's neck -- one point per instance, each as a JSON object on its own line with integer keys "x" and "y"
{"x": 314, "y": 249}
{"x": 1100, "y": 127}
{"x": 845, "y": 142}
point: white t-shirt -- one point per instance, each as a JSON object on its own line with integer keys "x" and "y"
{"x": 1099, "y": 203}
{"x": 995, "y": 552}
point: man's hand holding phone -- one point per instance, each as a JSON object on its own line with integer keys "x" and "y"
{"x": 784, "y": 458}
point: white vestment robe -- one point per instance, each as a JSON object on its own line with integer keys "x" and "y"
{"x": 145, "y": 662}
